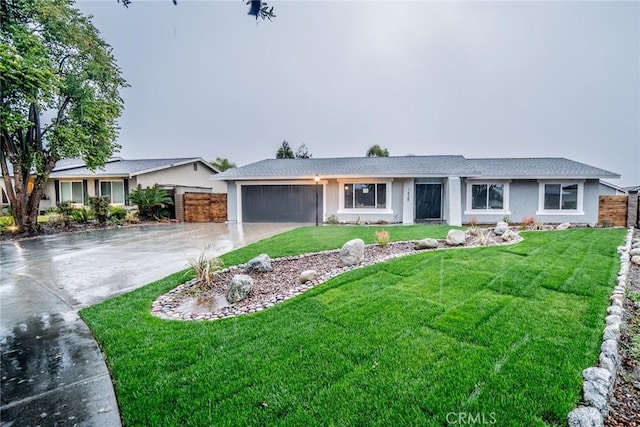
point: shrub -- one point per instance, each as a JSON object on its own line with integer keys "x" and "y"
{"x": 382, "y": 237}
{"x": 528, "y": 221}
{"x": 117, "y": 212}
{"x": 100, "y": 207}
{"x": 205, "y": 265}
{"x": 332, "y": 219}
{"x": 151, "y": 202}
{"x": 132, "y": 217}
{"x": 606, "y": 223}
{"x": 506, "y": 219}
{"x": 81, "y": 215}
{"x": 473, "y": 221}
{"x": 6, "y": 223}
{"x": 474, "y": 230}
{"x": 57, "y": 220}
{"x": 537, "y": 225}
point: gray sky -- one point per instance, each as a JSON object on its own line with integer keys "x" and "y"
{"x": 480, "y": 79}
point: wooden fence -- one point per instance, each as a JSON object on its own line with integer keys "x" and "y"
{"x": 205, "y": 207}
{"x": 613, "y": 209}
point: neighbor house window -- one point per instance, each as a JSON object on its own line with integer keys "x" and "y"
{"x": 365, "y": 196}
{"x": 72, "y": 191}
{"x": 487, "y": 197}
{"x": 113, "y": 190}
{"x": 561, "y": 196}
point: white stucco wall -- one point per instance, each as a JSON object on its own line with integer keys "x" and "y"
{"x": 183, "y": 175}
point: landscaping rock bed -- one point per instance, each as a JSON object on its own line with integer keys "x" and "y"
{"x": 194, "y": 301}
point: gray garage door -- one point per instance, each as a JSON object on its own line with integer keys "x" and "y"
{"x": 280, "y": 203}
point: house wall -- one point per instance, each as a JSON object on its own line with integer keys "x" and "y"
{"x": 524, "y": 202}
{"x": 394, "y": 201}
{"x": 183, "y": 175}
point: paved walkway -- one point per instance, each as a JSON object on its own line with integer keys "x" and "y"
{"x": 52, "y": 370}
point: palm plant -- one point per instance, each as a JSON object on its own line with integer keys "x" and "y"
{"x": 151, "y": 201}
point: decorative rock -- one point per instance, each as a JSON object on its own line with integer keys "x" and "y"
{"x": 501, "y": 227}
{"x": 635, "y": 245}
{"x": 585, "y": 417}
{"x": 612, "y": 319}
{"x": 610, "y": 349}
{"x": 634, "y": 252}
{"x": 607, "y": 363}
{"x": 455, "y": 237}
{"x": 563, "y": 226}
{"x": 260, "y": 263}
{"x": 426, "y": 244}
{"x": 636, "y": 260}
{"x": 614, "y": 310}
{"x": 240, "y": 287}
{"x": 595, "y": 389}
{"x": 611, "y": 332}
{"x": 508, "y": 236}
{"x": 352, "y": 253}
{"x": 308, "y": 276}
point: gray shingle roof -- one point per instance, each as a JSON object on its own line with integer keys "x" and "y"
{"x": 415, "y": 166}
{"x": 352, "y": 166}
{"x": 120, "y": 167}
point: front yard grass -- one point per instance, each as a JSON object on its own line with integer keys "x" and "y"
{"x": 501, "y": 332}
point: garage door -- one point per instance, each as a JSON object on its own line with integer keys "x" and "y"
{"x": 280, "y": 203}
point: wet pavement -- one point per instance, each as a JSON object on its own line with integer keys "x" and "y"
{"x": 52, "y": 371}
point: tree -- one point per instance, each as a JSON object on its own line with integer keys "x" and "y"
{"x": 303, "y": 152}
{"x": 222, "y": 164}
{"x": 52, "y": 63}
{"x": 377, "y": 151}
{"x": 285, "y": 151}
{"x": 257, "y": 8}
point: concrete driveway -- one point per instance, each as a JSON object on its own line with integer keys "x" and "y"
{"x": 53, "y": 372}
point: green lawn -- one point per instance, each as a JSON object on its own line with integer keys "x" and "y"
{"x": 500, "y": 331}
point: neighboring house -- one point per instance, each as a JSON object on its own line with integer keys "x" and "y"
{"x": 72, "y": 181}
{"x": 450, "y": 189}
{"x": 609, "y": 189}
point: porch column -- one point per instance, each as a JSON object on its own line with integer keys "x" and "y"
{"x": 454, "y": 193}
{"x": 407, "y": 201}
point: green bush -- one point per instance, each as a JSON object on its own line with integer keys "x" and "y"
{"x": 100, "y": 207}
{"x": 117, "y": 213}
{"x": 151, "y": 202}
{"x": 6, "y": 222}
{"x": 81, "y": 215}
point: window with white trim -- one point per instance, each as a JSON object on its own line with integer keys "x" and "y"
{"x": 364, "y": 195}
{"x": 487, "y": 197}
{"x": 113, "y": 190}
{"x": 561, "y": 196}
{"x": 72, "y": 191}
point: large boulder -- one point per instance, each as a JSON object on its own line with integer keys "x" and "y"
{"x": 455, "y": 237}
{"x": 260, "y": 263}
{"x": 425, "y": 244}
{"x": 563, "y": 226}
{"x": 501, "y": 227}
{"x": 308, "y": 276}
{"x": 508, "y": 236}
{"x": 352, "y": 253}
{"x": 241, "y": 286}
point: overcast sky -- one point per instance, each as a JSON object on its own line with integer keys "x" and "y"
{"x": 480, "y": 79}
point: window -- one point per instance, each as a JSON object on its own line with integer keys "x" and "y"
{"x": 487, "y": 196}
{"x": 195, "y": 167}
{"x": 113, "y": 190}
{"x": 365, "y": 196}
{"x": 71, "y": 191}
{"x": 560, "y": 196}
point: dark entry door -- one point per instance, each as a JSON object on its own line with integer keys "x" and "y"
{"x": 428, "y": 201}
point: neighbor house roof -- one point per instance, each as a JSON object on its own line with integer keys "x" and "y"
{"x": 415, "y": 166}
{"x": 634, "y": 189}
{"x": 125, "y": 168}
{"x": 613, "y": 186}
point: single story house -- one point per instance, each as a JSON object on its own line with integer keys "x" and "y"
{"x": 72, "y": 181}
{"x": 410, "y": 189}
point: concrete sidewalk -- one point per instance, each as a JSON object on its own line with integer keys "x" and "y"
{"x": 53, "y": 372}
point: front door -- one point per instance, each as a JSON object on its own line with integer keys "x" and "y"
{"x": 428, "y": 201}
